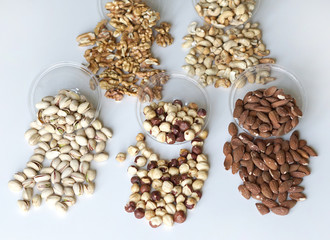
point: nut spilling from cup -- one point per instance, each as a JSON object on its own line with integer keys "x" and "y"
{"x": 271, "y": 170}
{"x": 162, "y": 191}
{"x": 225, "y": 12}
{"x": 66, "y": 134}
{"x": 173, "y": 122}
{"x": 121, "y": 57}
{"x": 267, "y": 112}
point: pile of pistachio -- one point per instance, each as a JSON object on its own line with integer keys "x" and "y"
{"x": 68, "y": 139}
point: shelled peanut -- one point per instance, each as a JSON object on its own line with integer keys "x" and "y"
{"x": 67, "y": 135}
{"x": 271, "y": 170}
{"x": 122, "y": 58}
{"x": 172, "y": 122}
{"x": 267, "y": 112}
{"x": 225, "y": 12}
{"x": 162, "y": 190}
{"x": 217, "y": 56}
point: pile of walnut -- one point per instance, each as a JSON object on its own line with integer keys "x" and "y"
{"x": 122, "y": 57}
{"x": 217, "y": 57}
{"x": 164, "y": 190}
{"x": 271, "y": 169}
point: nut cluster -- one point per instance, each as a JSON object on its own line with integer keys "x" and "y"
{"x": 164, "y": 191}
{"x": 271, "y": 170}
{"x": 267, "y": 112}
{"x": 217, "y": 57}
{"x": 66, "y": 135}
{"x": 121, "y": 57}
{"x": 172, "y": 122}
{"x": 222, "y": 13}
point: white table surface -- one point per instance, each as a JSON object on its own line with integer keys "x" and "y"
{"x": 37, "y": 33}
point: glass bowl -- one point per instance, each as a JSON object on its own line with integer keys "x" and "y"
{"x": 284, "y": 80}
{"x": 256, "y": 8}
{"x": 153, "y": 4}
{"x": 184, "y": 88}
{"x": 65, "y": 75}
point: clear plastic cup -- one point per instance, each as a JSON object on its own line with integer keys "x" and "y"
{"x": 65, "y": 75}
{"x": 256, "y": 8}
{"x": 184, "y": 88}
{"x": 284, "y": 80}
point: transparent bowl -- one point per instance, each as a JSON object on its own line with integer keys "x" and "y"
{"x": 184, "y": 88}
{"x": 284, "y": 80}
{"x": 256, "y": 8}
{"x": 153, "y": 4}
{"x": 65, "y": 75}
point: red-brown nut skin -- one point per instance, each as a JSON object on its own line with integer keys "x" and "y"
{"x": 175, "y": 129}
{"x": 152, "y": 165}
{"x": 179, "y": 217}
{"x": 173, "y": 163}
{"x": 155, "y": 196}
{"x": 135, "y": 179}
{"x": 180, "y": 137}
{"x": 184, "y": 126}
{"x": 145, "y": 188}
{"x": 184, "y": 153}
{"x": 156, "y": 121}
{"x": 139, "y": 213}
{"x": 201, "y": 112}
{"x": 170, "y": 138}
{"x": 197, "y": 150}
{"x": 130, "y": 207}
{"x": 177, "y": 101}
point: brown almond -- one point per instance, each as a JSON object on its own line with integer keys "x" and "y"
{"x": 239, "y": 102}
{"x": 310, "y": 151}
{"x": 227, "y": 149}
{"x": 235, "y": 167}
{"x": 249, "y": 166}
{"x": 289, "y": 158}
{"x": 265, "y": 190}
{"x": 296, "y": 181}
{"x": 264, "y": 102}
{"x": 263, "y": 117}
{"x": 280, "y": 103}
{"x": 274, "y": 118}
{"x": 285, "y": 168}
{"x": 269, "y": 150}
{"x": 284, "y": 186}
{"x": 303, "y": 153}
{"x": 282, "y": 211}
{"x": 244, "y": 191}
{"x": 270, "y": 91}
{"x": 251, "y": 106}
{"x": 295, "y": 122}
{"x": 269, "y": 162}
{"x": 280, "y": 157}
{"x": 298, "y": 174}
{"x": 238, "y": 111}
{"x": 250, "y": 120}
{"x": 302, "y": 143}
{"x": 282, "y": 111}
{"x": 247, "y": 95}
{"x": 238, "y": 153}
{"x": 294, "y": 167}
{"x": 261, "y": 145}
{"x": 252, "y": 99}
{"x": 232, "y": 129}
{"x": 270, "y": 203}
{"x": 275, "y": 174}
{"x": 294, "y": 189}
{"x": 277, "y": 148}
{"x": 285, "y": 177}
{"x": 304, "y": 169}
{"x": 264, "y": 127}
{"x": 298, "y": 196}
{"x": 246, "y": 156}
{"x": 296, "y": 156}
{"x": 252, "y": 187}
{"x": 257, "y": 173}
{"x": 260, "y": 164}
{"x": 287, "y": 126}
{"x": 243, "y": 116}
{"x": 285, "y": 146}
{"x": 266, "y": 177}
{"x": 294, "y": 142}
{"x": 258, "y": 196}
{"x": 243, "y": 174}
{"x": 273, "y": 185}
{"x": 262, "y": 208}
{"x": 282, "y": 197}
{"x": 228, "y": 162}
{"x": 236, "y": 142}
{"x": 296, "y": 111}
{"x": 289, "y": 204}
{"x": 262, "y": 109}
{"x": 256, "y": 124}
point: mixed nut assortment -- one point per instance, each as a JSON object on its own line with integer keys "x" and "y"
{"x": 267, "y": 112}
{"x": 222, "y": 13}
{"x": 172, "y": 122}
{"x": 271, "y": 169}
{"x": 163, "y": 191}
{"x": 122, "y": 58}
{"x": 218, "y": 56}
{"x": 67, "y": 134}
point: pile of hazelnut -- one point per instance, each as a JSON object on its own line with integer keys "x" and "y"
{"x": 162, "y": 190}
{"x": 172, "y": 122}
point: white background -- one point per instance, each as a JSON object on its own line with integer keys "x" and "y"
{"x": 37, "y": 33}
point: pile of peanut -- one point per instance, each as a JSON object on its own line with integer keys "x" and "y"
{"x": 122, "y": 58}
{"x": 172, "y": 122}
{"x": 217, "y": 57}
{"x": 267, "y": 112}
{"x": 70, "y": 138}
{"x": 164, "y": 190}
{"x": 271, "y": 170}
{"x": 222, "y": 13}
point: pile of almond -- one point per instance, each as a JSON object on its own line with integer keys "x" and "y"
{"x": 271, "y": 170}
{"x": 267, "y": 112}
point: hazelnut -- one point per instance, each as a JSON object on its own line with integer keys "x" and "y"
{"x": 179, "y": 217}
{"x": 146, "y": 109}
{"x": 155, "y": 131}
{"x": 150, "y": 114}
{"x": 173, "y": 163}
{"x": 146, "y": 180}
{"x": 161, "y": 137}
{"x": 161, "y": 202}
{"x": 180, "y": 137}
{"x": 140, "y": 137}
{"x": 197, "y": 150}
{"x": 140, "y": 161}
{"x": 184, "y": 125}
{"x": 153, "y": 157}
{"x": 132, "y": 150}
{"x": 170, "y": 138}
{"x": 197, "y": 195}
{"x": 173, "y": 171}
{"x": 168, "y": 220}
{"x": 151, "y": 205}
{"x": 155, "y": 195}
{"x": 184, "y": 168}
{"x": 135, "y": 188}
{"x": 141, "y": 145}
{"x": 166, "y": 177}
{"x": 176, "y": 191}
{"x": 176, "y": 121}
{"x": 152, "y": 165}
{"x": 196, "y": 127}
{"x": 192, "y": 113}
{"x": 145, "y": 188}
{"x": 169, "y": 198}
{"x": 132, "y": 170}
{"x": 121, "y": 157}
{"x": 161, "y": 162}
{"x": 201, "y": 112}
{"x": 130, "y": 207}
{"x": 175, "y": 129}
{"x": 135, "y": 179}
{"x": 184, "y": 152}
{"x": 197, "y": 184}
{"x": 170, "y": 208}
{"x": 181, "y": 114}
{"x": 199, "y": 120}
{"x": 184, "y": 176}
{"x": 141, "y": 204}
{"x": 176, "y": 179}
{"x": 203, "y": 166}
{"x": 139, "y": 213}
{"x": 201, "y": 158}
{"x": 182, "y": 160}
{"x": 160, "y": 211}
{"x": 203, "y": 135}
{"x": 155, "y": 221}
{"x": 157, "y": 184}
{"x": 177, "y": 101}
{"x": 165, "y": 127}
{"x": 149, "y": 214}
{"x": 197, "y": 142}
{"x": 187, "y": 190}
{"x": 147, "y": 126}
{"x": 170, "y": 117}
{"x": 193, "y": 105}
{"x": 156, "y": 121}
{"x": 135, "y": 197}
{"x": 192, "y": 164}
{"x": 155, "y": 174}
{"x": 167, "y": 186}
{"x": 160, "y": 110}
{"x": 202, "y": 175}
{"x": 189, "y": 135}
{"x": 145, "y": 196}
{"x": 142, "y": 173}
{"x": 146, "y": 152}
{"x": 190, "y": 203}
